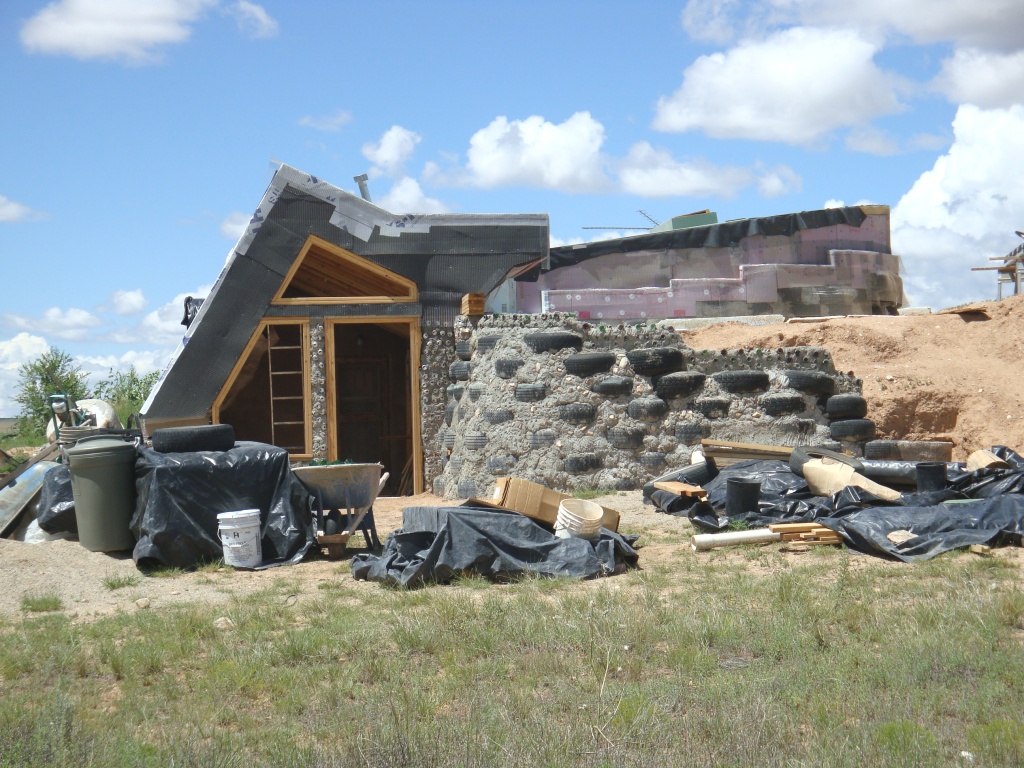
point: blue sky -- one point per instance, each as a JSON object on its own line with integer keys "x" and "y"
{"x": 139, "y": 135}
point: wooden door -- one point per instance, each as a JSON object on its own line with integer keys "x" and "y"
{"x": 363, "y": 408}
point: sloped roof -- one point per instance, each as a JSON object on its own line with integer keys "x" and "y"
{"x": 444, "y": 254}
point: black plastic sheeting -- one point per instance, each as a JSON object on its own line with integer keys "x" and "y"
{"x": 993, "y": 513}
{"x": 436, "y": 544}
{"x": 56, "y": 503}
{"x": 180, "y": 495}
{"x": 710, "y": 236}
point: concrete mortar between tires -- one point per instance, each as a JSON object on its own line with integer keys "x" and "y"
{"x": 582, "y": 454}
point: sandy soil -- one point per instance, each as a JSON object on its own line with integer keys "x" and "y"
{"x": 926, "y": 377}
{"x": 930, "y": 377}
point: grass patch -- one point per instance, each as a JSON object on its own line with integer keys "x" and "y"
{"x": 114, "y": 581}
{"x": 41, "y": 603}
{"x": 592, "y": 493}
{"x": 699, "y": 662}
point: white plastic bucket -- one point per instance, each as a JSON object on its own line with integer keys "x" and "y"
{"x": 240, "y": 537}
{"x": 579, "y": 518}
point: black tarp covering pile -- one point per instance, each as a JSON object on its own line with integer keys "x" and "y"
{"x": 56, "y": 503}
{"x": 995, "y": 517}
{"x": 180, "y": 495}
{"x": 437, "y": 543}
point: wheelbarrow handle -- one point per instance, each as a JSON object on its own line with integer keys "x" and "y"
{"x": 383, "y": 480}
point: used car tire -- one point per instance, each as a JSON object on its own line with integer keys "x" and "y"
{"x": 526, "y": 393}
{"x": 449, "y": 412}
{"x": 463, "y": 349}
{"x": 853, "y": 429}
{"x": 679, "y": 384}
{"x": 577, "y": 413}
{"x": 475, "y": 390}
{"x": 846, "y": 406}
{"x": 783, "y": 405}
{"x": 542, "y": 438}
{"x": 739, "y": 382}
{"x": 713, "y": 407}
{"x": 205, "y": 437}
{"x": 652, "y": 460}
{"x": 586, "y": 364}
{"x": 582, "y": 462}
{"x": 500, "y": 465}
{"x": 553, "y": 341}
{"x": 486, "y": 342}
{"x": 647, "y": 408}
{"x": 613, "y": 386}
{"x": 692, "y": 432}
{"x": 498, "y": 417}
{"x": 656, "y": 360}
{"x": 812, "y": 382}
{"x": 625, "y": 437}
{"x": 459, "y": 370}
{"x": 506, "y": 367}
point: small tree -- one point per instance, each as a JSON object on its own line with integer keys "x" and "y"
{"x": 52, "y": 373}
{"x": 126, "y": 391}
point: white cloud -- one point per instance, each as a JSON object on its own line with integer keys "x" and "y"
{"x": 651, "y": 172}
{"x": 128, "y": 302}
{"x": 389, "y": 154}
{"x": 992, "y": 24}
{"x": 253, "y": 20}
{"x": 984, "y": 79}
{"x": 11, "y": 210}
{"x": 778, "y": 181}
{"x": 795, "y": 86}
{"x": 234, "y": 225}
{"x": 327, "y": 123}
{"x": 964, "y": 209}
{"x": 406, "y": 196}
{"x": 713, "y": 21}
{"x": 162, "y": 327}
{"x": 537, "y": 153}
{"x": 871, "y": 140}
{"x": 832, "y": 203}
{"x": 72, "y": 324}
{"x": 98, "y": 367}
{"x": 120, "y": 29}
{"x": 13, "y": 354}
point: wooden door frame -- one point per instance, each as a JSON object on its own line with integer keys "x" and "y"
{"x": 414, "y": 386}
{"x": 218, "y": 403}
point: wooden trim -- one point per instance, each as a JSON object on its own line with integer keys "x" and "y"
{"x": 415, "y": 342}
{"x": 307, "y": 454}
{"x": 330, "y": 390}
{"x": 358, "y": 262}
{"x": 325, "y": 300}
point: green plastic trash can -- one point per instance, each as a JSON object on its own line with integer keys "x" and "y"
{"x": 103, "y": 485}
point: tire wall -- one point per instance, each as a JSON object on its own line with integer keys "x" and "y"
{"x": 568, "y": 437}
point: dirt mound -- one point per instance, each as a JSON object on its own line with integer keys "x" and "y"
{"x": 953, "y": 376}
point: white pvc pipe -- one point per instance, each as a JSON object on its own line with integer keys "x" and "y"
{"x": 705, "y": 541}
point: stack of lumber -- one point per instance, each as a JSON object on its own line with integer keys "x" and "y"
{"x": 473, "y": 304}
{"x": 726, "y": 453}
{"x": 806, "y": 533}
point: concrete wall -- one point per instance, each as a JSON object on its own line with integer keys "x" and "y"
{"x": 515, "y": 408}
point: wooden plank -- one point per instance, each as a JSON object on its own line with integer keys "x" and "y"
{"x": 797, "y": 527}
{"x": 682, "y": 489}
{"x": 726, "y": 447}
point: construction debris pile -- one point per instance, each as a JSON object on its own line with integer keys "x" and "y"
{"x": 833, "y": 500}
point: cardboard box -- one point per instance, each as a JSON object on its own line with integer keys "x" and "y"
{"x": 536, "y": 502}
